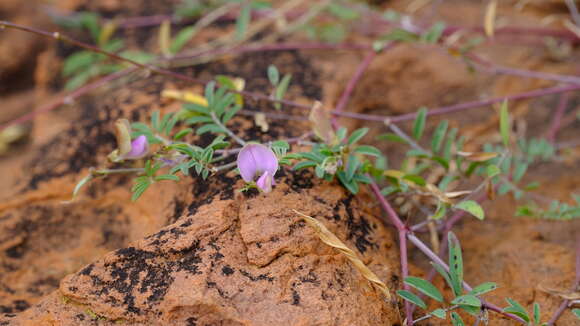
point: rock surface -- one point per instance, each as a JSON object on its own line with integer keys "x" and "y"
{"x": 244, "y": 261}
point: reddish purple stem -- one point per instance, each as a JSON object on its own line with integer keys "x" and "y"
{"x": 566, "y": 302}
{"x": 463, "y": 106}
{"x": 343, "y": 101}
{"x": 66, "y": 98}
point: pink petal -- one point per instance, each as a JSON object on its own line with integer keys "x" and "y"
{"x": 254, "y": 159}
{"x": 139, "y": 148}
{"x": 265, "y": 182}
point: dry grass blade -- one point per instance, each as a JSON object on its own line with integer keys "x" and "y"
{"x": 332, "y": 240}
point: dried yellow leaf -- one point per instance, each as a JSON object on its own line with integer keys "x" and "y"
{"x": 489, "y": 20}
{"x": 184, "y": 96}
{"x": 332, "y": 240}
{"x": 260, "y": 121}
{"x": 320, "y": 121}
{"x": 478, "y": 156}
{"x": 455, "y": 194}
{"x": 562, "y": 293}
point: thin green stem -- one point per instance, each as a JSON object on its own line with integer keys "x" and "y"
{"x": 117, "y": 171}
{"x": 224, "y": 167}
{"x": 226, "y": 130}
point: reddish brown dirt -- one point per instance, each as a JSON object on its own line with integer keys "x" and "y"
{"x": 201, "y": 249}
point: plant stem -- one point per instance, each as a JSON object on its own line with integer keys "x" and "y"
{"x": 343, "y": 101}
{"x": 226, "y": 130}
{"x": 405, "y": 272}
{"x": 117, "y": 171}
{"x": 566, "y": 303}
{"x": 573, "y": 11}
{"x": 225, "y": 167}
{"x": 60, "y": 37}
{"x": 406, "y": 137}
{"x": 484, "y": 64}
{"x": 68, "y": 97}
{"x": 462, "y": 106}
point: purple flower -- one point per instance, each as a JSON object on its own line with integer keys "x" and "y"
{"x": 139, "y": 148}
{"x": 258, "y": 161}
{"x": 127, "y": 149}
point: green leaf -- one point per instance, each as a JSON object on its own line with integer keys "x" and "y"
{"x": 467, "y": 300}
{"x": 456, "y": 319}
{"x": 449, "y": 144}
{"x": 419, "y": 124}
{"x": 181, "y": 39}
{"x": 80, "y": 184}
{"x": 281, "y": 89}
{"x": 196, "y": 108}
{"x": 305, "y": 164}
{"x": 342, "y": 12}
{"x": 434, "y": 33}
{"x": 424, "y": 287}
{"x": 472, "y": 207}
{"x": 182, "y": 133}
{"x": 198, "y": 119}
{"x": 332, "y": 33}
{"x": 442, "y": 161}
{"x": 439, "y": 313}
{"x": 483, "y": 288}
{"x": 492, "y": 170}
{"x": 273, "y": 75}
{"x": 576, "y": 313}
{"x": 391, "y": 137}
{"x": 78, "y": 61}
{"x": 357, "y": 135}
{"x": 537, "y": 314}
{"x": 167, "y": 177}
{"x": 441, "y": 270}
{"x": 368, "y": 150}
{"x": 155, "y": 120}
{"x": 409, "y": 296}
{"x": 504, "y": 123}
{"x": 439, "y": 136}
{"x": 455, "y": 264}
{"x": 474, "y": 311}
{"x": 341, "y": 134}
{"x": 80, "y": 79}
{"x": 351, "y": 185}
{"x": 440, "y": 212}
{"x": 520, "y": 170}
{"x": 242, "y": 22}
{"x": 517, "y": 309}
{"x": 209, "y": 128}
{"x": 114, "y": 45}
{"x": 416, "y": 179}
{"x": 139, "y": 188}
{"x": 351, "y": 167}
